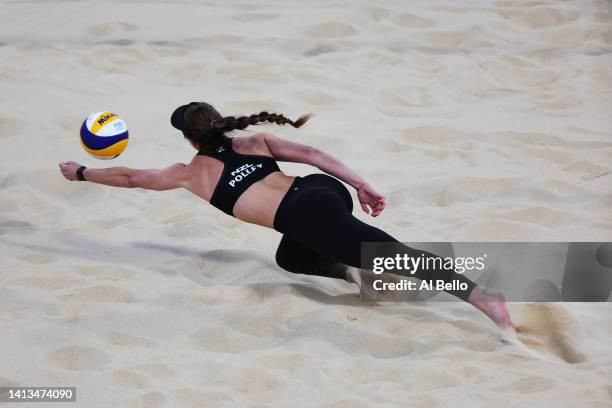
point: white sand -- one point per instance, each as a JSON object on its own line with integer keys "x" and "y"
{"x": 479, "y": 120}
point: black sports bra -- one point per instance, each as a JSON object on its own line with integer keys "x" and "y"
{"x": 240, "y": 171}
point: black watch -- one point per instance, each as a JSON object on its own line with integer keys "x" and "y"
{"x": 79, "y": 173}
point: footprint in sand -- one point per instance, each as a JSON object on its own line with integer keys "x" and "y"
{"x": 250, "y": 380}
{"x": 105, "y": 29}
{"x": 333, "y": 29}
{"x": 539, "y": 17}
{"x": 159, "y": 371}
{"x": 321, "y": 49}
{"x": 587, "y": 170}
{"x": 9, "y": 205}
{"x": 36, "y": 258}
{"x": 455, "y": 38}
{"x": 99, "y": 294}
{"x": 7, "y": 224}
{"x": 374, "y": 14}
{"x": 44, "y": 283}
{"x": 422, "y": 136}
{"x": 317, "y": 98}
{"x": 193, "y": 397}
{"x": 409, "y": 20}
{"x": 120, "y": 42}
{"x": 253, "y": 16}
{"x": 127, "y": 340}
{"x": 78, "y": 358}
{"x": 130, "y": 379}
{"x": 104, "y": 272}
{"x": 153, "y": 400}
{"x": 528, "y": 385}
{"x": 227, "y": 340}
{"x": 549, "y": 329}
{"x": 415, "y": 97}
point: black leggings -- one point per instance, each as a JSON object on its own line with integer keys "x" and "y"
{"x": 321, "y": 236}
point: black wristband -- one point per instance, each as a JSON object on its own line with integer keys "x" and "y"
{"x": 79, "y": 173}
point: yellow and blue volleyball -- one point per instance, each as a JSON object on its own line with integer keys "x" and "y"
{"x": 104, "y": 135}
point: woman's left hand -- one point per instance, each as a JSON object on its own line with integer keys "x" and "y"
{"x": 370, "y": 200}
{"x": 69, "y": 169}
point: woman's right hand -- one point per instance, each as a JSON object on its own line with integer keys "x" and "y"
{"x": 69, "y": 169}
{"x": 370, "y": 199}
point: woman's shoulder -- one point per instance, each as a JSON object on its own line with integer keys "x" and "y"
{"x": 255, "y": 144}
{"x": 256, "y": 139}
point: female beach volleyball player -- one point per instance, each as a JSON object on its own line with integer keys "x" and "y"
{"x": 240, "y": 177}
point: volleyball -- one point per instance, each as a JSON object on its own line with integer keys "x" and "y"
{"x": 104, "y": 135}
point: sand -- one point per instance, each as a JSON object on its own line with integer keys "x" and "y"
{"x": 479, "y": 121}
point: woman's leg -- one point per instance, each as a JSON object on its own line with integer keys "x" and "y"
{"x": 295, "y": 257}
{"x": 338, "y": 234}
{"x": 324, "y": 224}
{"x": 320, "y": 219}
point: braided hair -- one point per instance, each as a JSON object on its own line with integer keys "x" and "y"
{"x": 207, "y": 127}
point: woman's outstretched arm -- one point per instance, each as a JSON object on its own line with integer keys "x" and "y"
{"x": 175, "y": 176}
{"x": 286, "y": 150}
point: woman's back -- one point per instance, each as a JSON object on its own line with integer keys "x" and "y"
{"x": 242, "y": 179}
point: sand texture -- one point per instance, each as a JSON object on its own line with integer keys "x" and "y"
{"x": 479, "y": 121}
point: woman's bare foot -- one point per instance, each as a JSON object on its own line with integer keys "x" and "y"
{"x": 493, "y": 304}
